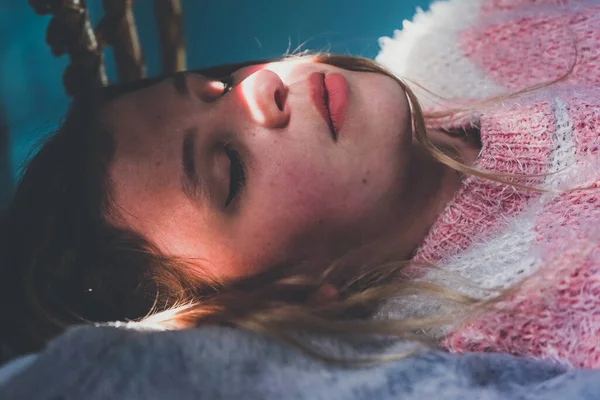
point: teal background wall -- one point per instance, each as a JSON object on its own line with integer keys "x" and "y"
{"x": 216, "y": 31}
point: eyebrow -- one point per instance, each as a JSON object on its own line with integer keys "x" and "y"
{"x": 190, "y": 182}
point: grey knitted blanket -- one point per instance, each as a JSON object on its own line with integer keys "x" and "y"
{"x": 221, "y": 363}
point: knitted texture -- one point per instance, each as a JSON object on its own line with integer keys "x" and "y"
{"x": 496, "y": 235}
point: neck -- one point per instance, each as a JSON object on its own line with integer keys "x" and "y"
{"x": 432, "y": 186}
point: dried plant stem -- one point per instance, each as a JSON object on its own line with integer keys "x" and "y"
{"x": 70, "y": 32}
{"x": 170, "y": 27}
{"x": 117, "y": 29}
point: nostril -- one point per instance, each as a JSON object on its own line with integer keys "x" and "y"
{"x": 279, "y": 99}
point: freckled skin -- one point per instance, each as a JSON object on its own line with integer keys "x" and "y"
{"x": 306, "y": 196}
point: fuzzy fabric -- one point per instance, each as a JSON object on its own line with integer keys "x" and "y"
{"x": 222, "y": 363}
{"x": 496, "y": 235}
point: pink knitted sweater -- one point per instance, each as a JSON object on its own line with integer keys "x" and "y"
{"x": 497, "y": 235}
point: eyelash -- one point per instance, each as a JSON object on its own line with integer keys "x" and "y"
{"x": 228, "y": 82}
{"x": 237, "y": 173}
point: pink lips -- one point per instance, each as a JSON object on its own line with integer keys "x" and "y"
{"x": 329, "y": 93}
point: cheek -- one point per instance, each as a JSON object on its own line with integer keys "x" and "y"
{"x": 309, "y": 211}
{"x": 302, "y": 193}
{"x": 292, "y": 214}
{"x": 295, "y": 199}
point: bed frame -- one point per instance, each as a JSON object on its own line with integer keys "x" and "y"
{"x": 71, "y": 33}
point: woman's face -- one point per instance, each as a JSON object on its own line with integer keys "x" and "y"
{"x": 243, "y": 178}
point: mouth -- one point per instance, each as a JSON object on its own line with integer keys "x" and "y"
{"x": 329, "y": 94}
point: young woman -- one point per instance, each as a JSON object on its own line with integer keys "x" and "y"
{"x": 288, "y": 195}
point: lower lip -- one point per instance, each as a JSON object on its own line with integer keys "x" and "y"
{"x": 337, "y": 88}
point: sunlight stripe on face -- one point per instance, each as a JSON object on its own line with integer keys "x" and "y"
{"x": 217, "y": 85}
{"x": 286, "y": 67}
{"x": 249, "y": 90}
{"x": 249, "y": 85}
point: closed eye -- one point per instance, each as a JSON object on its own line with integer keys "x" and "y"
{"x": 237, "y": 174}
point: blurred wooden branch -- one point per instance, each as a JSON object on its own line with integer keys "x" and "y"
{"x": 170, "y": 27}
{"x": 117, "y": 28}
{"x": 70, "y": 31}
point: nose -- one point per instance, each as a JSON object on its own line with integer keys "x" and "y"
{"x": 266, "y": 98}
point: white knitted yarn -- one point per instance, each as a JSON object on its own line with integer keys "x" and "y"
{"x": 427, "y": 52}
{"x": 563, "y": 156}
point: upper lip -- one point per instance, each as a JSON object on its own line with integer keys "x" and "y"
{"x": 319, "y": 97}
